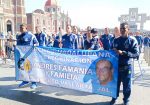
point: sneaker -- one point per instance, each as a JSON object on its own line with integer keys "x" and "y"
{"x": 126, "y": 103}
{"x": 23, "y": 84}
{"x": 34, "y": 85}
{"x": 113, "y": 101}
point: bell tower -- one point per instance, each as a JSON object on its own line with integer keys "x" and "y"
{"x": 20, "y": 14}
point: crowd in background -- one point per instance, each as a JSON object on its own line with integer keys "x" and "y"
{"x": 72, "y": 38}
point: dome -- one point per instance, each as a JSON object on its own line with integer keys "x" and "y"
{"x": 39, "y": 11}
{"x": 51, "y": 3}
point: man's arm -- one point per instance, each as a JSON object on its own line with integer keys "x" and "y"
{"x": 133, "y": 52}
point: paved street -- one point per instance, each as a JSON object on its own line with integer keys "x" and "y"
{"x": 48, "y": 95}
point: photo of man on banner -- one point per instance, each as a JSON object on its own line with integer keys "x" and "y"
{"x": 104, "y": 71}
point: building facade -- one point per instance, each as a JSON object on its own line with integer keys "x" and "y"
{"x": 50, "y": 19}
{"x": 12, "y": 14}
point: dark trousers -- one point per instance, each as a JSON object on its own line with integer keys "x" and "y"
{"x": 124, "y": 76}
{"x": 8, "y": 51}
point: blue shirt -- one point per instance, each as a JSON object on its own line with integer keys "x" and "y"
{"x": 146, "y": 40}
{"x": 129, "y": 46}
{"x": 106, "y": 41}
{"x": 69, "y": 41}
{"x": 139, "y": 40}
{"x": 56, "y": 42}
{"x": 27, "y": 38}
{"x": 41, "y": 39}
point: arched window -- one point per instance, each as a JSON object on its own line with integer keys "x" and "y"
{"x": 37, "y": 21}
{"x": 49, "y": 9}
{"x": 43, "y": 22}
{"x": 9, "y": 26}
{"x": 54, "y": 9}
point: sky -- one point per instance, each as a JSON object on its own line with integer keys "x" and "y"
{"x": 95, "y": 13}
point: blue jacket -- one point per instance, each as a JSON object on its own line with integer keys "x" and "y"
{"x": 27, "y": 38}
{"x": 146, "y": 40}
{"x": 106, "y": 41}
{"x": 41, "y": 39}
{"x": 56, "y": 42}
{"x": 139, "y": 40}
{"x": 85, "y": 36}
{"x": 130, "y": 49}
{"x": 69, "y": 41}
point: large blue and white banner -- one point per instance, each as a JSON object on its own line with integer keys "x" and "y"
{"x": 84, "y": 70}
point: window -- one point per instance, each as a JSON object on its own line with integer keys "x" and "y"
{"x": 54, "y": 9}
{"x": 49, "y": 10}
{"x": 37, "y": 21}
{"x": 53, "y": 22}
{"x": 63, "y": 25}
{"x": 43, "y": 22}
{"x": 22, "y": 2}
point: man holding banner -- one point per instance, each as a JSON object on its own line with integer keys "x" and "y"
{"x": 127, "y": 48}
{"x": 26, "y": 39}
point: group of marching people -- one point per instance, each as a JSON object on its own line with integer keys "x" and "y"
{"x": 90, "y": 40}
{"x": 125, "y": 45}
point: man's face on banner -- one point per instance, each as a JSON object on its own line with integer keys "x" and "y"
{"x": 104, "y": 71}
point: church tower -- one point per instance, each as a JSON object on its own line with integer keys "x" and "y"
{"x": 20, "y": 14}
{"x": 54, "y": 9}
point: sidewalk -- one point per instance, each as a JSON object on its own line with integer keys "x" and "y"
{"x": 48, "y": 95}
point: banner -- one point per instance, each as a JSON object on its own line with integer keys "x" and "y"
{"x": 84, "y": 70}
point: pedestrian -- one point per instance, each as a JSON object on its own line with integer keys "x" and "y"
{"x": 58, "y": 39}
{"x": 40, "y": 36}
{"x": 80, "y": 40}
{"x": 139, "y": 40}
{"x": 28, "y": 39}
{"x": 69, "y": 40}
{"x": 92, "y": 41}
{"x": 127, "y": 48}
{"x": 106, "y": 39}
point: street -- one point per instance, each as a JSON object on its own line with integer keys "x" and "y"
{"x": 10, "y": 94}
